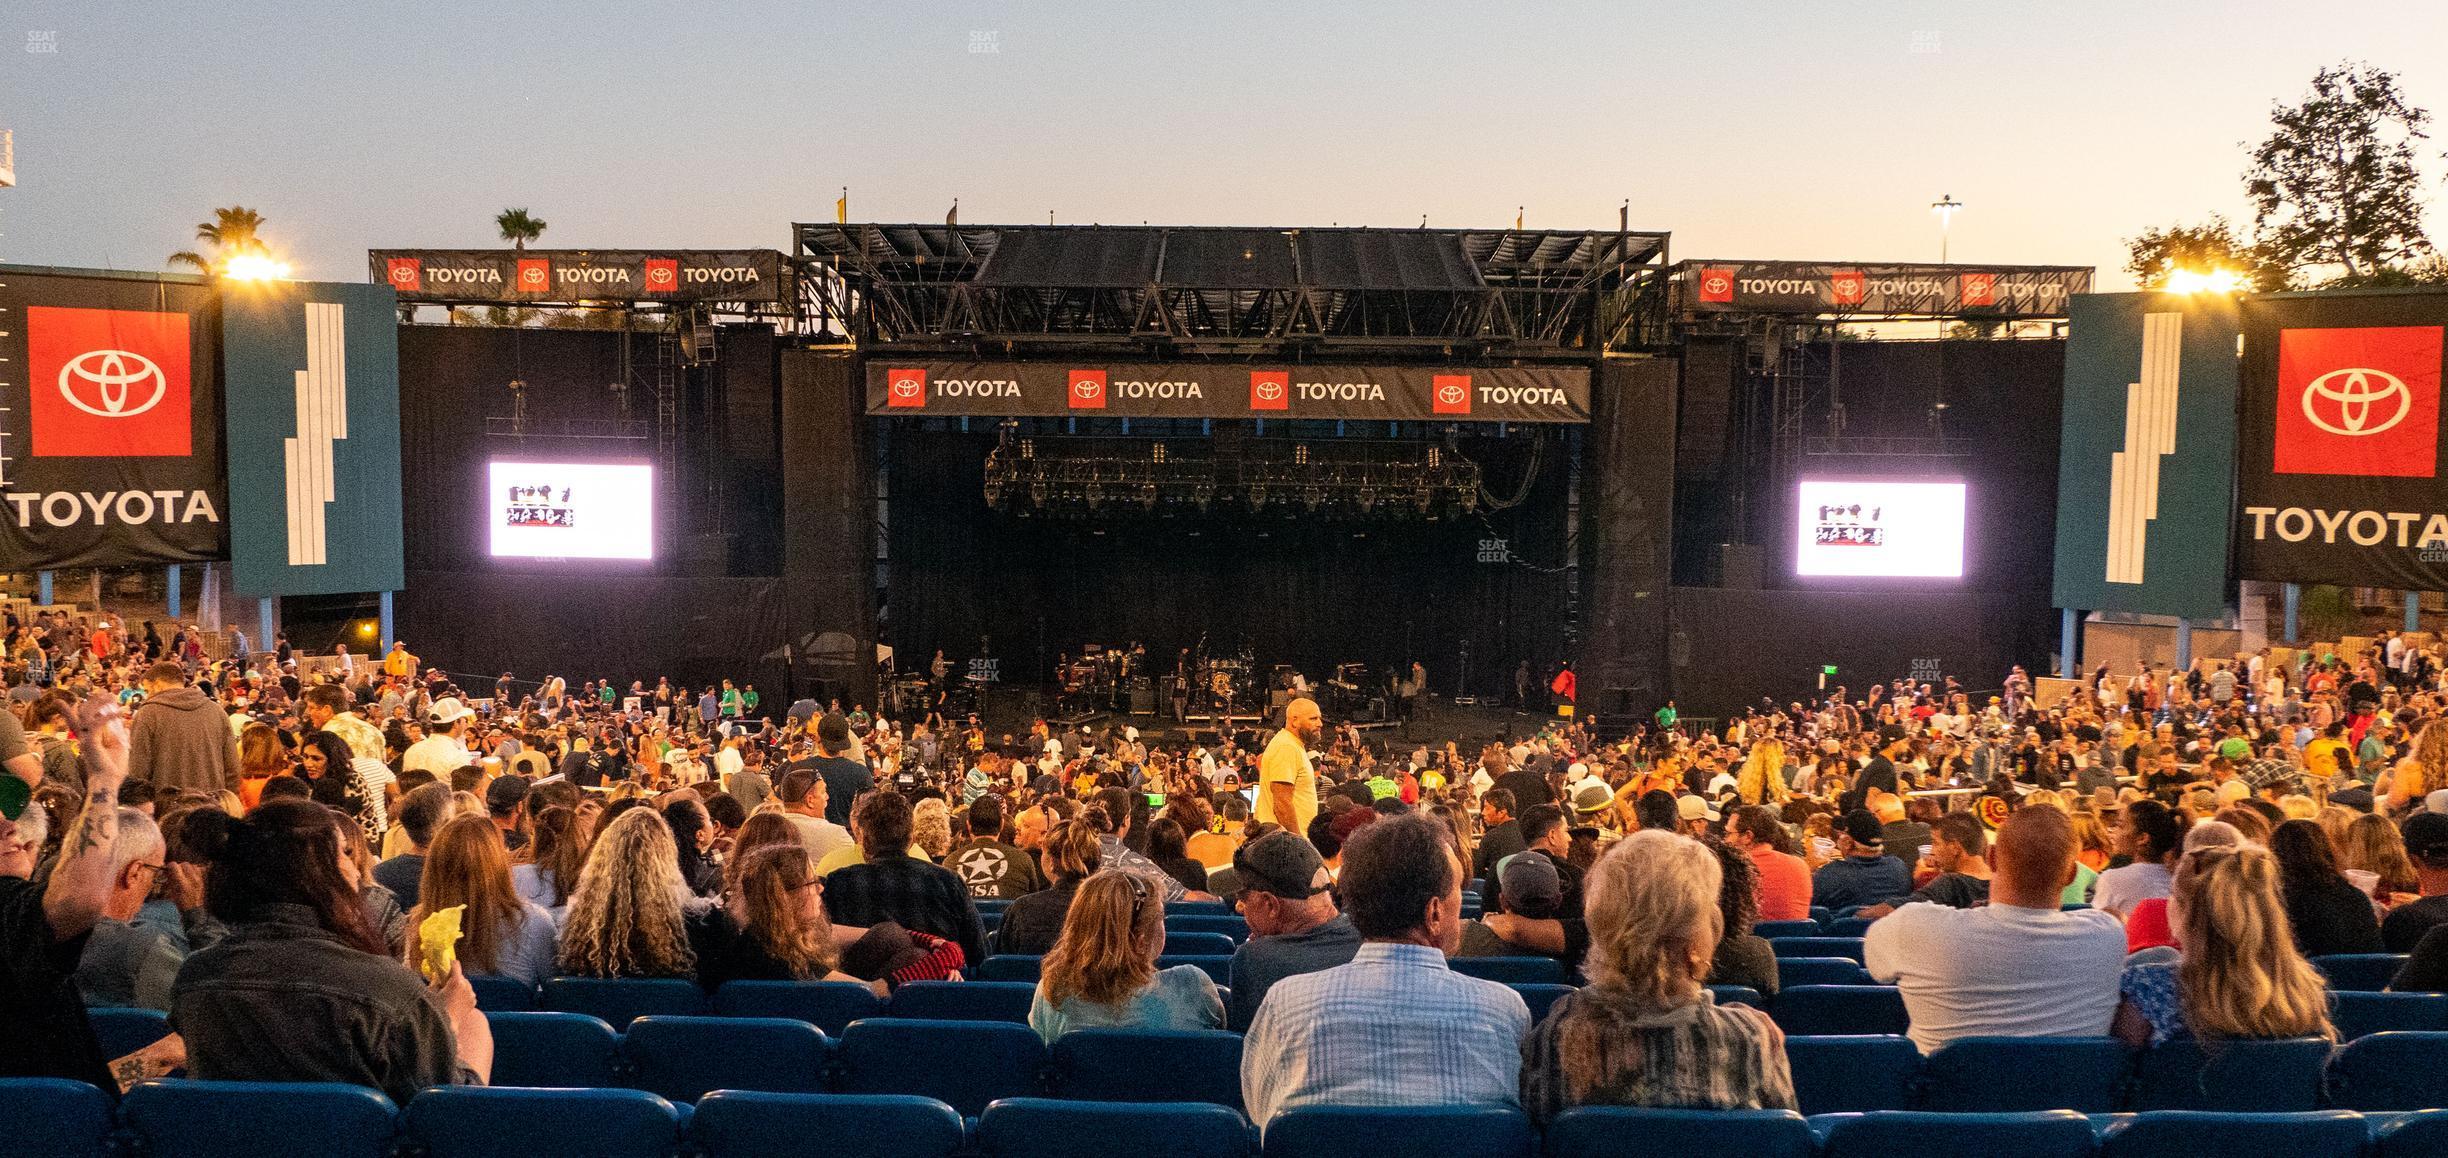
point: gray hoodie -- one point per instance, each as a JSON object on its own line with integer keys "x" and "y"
{"x": 183, "y": 740}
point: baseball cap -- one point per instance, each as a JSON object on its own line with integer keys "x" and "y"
{"x": 2426, "y": 837}
{"x": 449, "y": 709}
{"x": 1530, "y": 885}
{"x": 1282, "y": 864}
{"x": 1695, "y": 808}
{"x": 506, "y": 792}
{"x": 1863, "y": 826}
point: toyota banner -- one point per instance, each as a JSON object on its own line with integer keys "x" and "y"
{"x": 2338, "y": 474}
{"x": 574, "y": 275}
{"x": 915, "y": 389}
{"x": 110, "y": 420}
{"x": 1802, "y": 287}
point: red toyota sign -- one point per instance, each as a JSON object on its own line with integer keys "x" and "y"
{"x": 1270, "y": 390}
{"x": 2362, "y": 401}
{"x": 1449, "y": 394}
{"x": 1847, "y": 286}
{"x": 1087, "y": 390}
{"x": 1716, "y": 284}
{"x": 662, "y": 275}
{"x": 1978, "y": 289}
{"x": 906, "y": 389}
{"x": 108, "y": 383}
{"x": 534, "y": 275}
{"x": 406, "y": 274}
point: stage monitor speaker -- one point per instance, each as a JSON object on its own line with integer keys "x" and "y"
{"x": 1741, "y": 566}
{"x": 1143, "y": 697}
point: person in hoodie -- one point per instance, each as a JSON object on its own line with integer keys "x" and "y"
{"x": 181, "y": 739}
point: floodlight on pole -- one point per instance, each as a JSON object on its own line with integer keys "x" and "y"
{"x": 1945, "y": 207}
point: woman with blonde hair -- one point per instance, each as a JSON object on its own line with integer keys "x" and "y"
{"x": 633, "y": 915}
{"x": 1034, "y": 922}
{"x": 931, "y": 828}
{"x": 2373, "y": 854}
{"x": 1102, "y": 971}
{"x": 2240, "y": 975}
{"x": 2090, "y": 841}
{"x": 1762, "y": 779}
{"x": 1644, "y": 1031}
{"x": 2421, "y": 773}
{"x": 500, "y": 933}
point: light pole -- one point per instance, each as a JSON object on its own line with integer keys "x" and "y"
{"x": 1945, "y": 207}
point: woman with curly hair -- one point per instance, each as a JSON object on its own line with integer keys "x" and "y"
{"x": 931, "y": 828}
{"x": 1743, "y": 957}
{"x": 633, "y": 915}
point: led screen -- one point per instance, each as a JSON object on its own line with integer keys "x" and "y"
{"x": 1880, "y": 529}
{"x": 570, "y": 510}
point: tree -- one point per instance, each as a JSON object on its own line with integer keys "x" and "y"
{"x": 518, "y": 227}
{"x": 2156, "y": 253}
{"x": 232, "y": 232}
{"x": 2335, "y": 186}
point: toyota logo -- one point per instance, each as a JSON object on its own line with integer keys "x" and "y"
{"x": 1270, "y": 390}
{"x": 1452, "y": 395}
{"x": 2357, "y": 393}
{"x": 660, "y": 274}
{"x": 1087, "y": 388}
{"x": 531, "y": 276}
{"x": 125, "y": 384}
{"x": 403, "y": 275}
{"x": 1717, "y": 283}
{"x": 1847, "y": 287}
{"x": 908, "y": 387}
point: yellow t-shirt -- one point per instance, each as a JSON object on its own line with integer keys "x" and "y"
{"x": 1286, "y": 761}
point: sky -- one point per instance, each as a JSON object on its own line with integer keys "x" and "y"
{"x": 1763, "y": 129}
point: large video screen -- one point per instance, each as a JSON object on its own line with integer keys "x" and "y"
{"x": 1883, "y": 529}
{"x": 570, "y": 510}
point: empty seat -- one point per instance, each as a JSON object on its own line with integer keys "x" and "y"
{"x": 1146, "y": 1065}
{"x": 1793, "y": 971}
{"x": 1738, "y": 995}
{"x": 2422, "y": 1134}
{"x": 963, "y": 1000}
{"x": 619, "y": 1002}
{"x": 1198, "y": 944}
{"x": 123, "y": 1031}
{"x": 180, "y": 1119}
{"x": 1217, "y": 968}
{"x": 1444, "y": 1131}
{"x": 1776, "y": 929}
{"x": 2003, "y": 1074}
{"x": 1199, "y": 908}
{"x": 2320, "y": 1134}
{"x": 53, "y": 1116}
{"x": 2397, "y": 1070}
{"x": 827, "y": 1005}
{"x": 1847, "y": 927}
{"x": 1840, "y": 1009}
{"x": 746, "y": 1124}
{"x": 1853, "y": 1074}
{"x": 2370, "y": 972}
{"x": 2277, "y": 1076}
{"x": 964, "y": 1064}
{"x": 1540, "y": 998}
{"x": 1609, "y": 1131}
{"x": 2356, "y": 1013}
{"x": 553, "y": 1049}
{"x": 1849, "y": 948}
{"x": 497, "y": 1122}
{"x": 1511, "y": 970}
{"x": 503, "y": 994}
{"x": 2042, "y": 1134}
{"x": 1233, "y": 927}
{"x": 1011, "y": 967}
{"x": 1043, "y": 1128}
{"x": 685, "y": 1058}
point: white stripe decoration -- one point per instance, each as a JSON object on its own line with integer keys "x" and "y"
{"x": 322, "y": 419}
{"x": 2150, "y": 432}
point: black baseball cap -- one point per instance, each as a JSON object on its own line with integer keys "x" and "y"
{"x": 1281, "y": 863}
{"x": 2426, "y": 837}
{"x": 1863, "y": 826}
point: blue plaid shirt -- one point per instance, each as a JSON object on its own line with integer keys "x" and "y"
{"x": 1393, "y": 1028}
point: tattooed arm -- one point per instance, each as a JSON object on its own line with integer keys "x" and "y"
{"x": 82, "y": 880}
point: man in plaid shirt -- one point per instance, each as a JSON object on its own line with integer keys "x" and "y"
{"x": 894, "y": 886}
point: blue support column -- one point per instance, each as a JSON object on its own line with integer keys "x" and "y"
{"x": 2065, "y": 643}
{"x": 386, "y": 624}
{"x": 2184, "y": 644}
{"x": 2413, "y": 608}
{"x": 2292, "y": 595}
{"x": 42, "y": 587}
{"x": 174, "y": 591}
{"x": 263, "y": 624}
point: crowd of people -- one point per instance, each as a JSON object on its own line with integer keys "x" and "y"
{"x": 253, "y": 850}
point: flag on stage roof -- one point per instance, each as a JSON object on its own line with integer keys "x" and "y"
{"x": 841, "y": 208}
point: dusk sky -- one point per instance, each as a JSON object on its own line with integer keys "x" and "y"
{"x": 1794, "y": 130}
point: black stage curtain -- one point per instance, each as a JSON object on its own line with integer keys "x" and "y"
{"x": 1728, "y": 648}
{"x": 829, "y": 537}
{"x": 1627, "y": 516}
{"x": 621, "y": 627}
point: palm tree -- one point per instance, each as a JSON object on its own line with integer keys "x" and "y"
{"x": 518, "y": 227}
{"x": 233, "y": 231}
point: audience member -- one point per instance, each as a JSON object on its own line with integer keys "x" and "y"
{"x": 891, "y": 885}
{"x": 2325, "y": 911}
{"x": 500, "y": 933}
{"x": 1102, "y": 972}
{"x": 2239, "y": 975}
{"x": 1293, "y": 923}
{"x": 1864, "y": 874}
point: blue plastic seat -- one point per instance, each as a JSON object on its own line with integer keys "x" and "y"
{"x": 1848, "y": 926}
{"x": 1200, "y": 908}
{"x": 1511, "y": 970}
{"x": 182, "y": 1119}
{"x": 1011, "y": 967}
{"x": 1816, "y": 1010}
{"x": 1541, "y": 998}
{"x": 53, "y": 1116}
{"x": 991, "y": 905}
{"x": 1849, "y": 948}
{"x": 1217, "y": 968}
{"x": 1444, "y": 1131}
{"x": 1853, "y": 1074}
{"x": 964, "y": 1064}
{"x": 1186, "y": 944}
{"x": 2395, "y": 1070}
{"x": 1610, "y": 1131}
{"x": 2369, "y": 972}
{"x": 2422, "y": 1134}
{"x": 827, "y": 1005}
{"x": 685, "y": 1058}
{"x": 1738, "y": 995}
{"x": 1793, "y": 971}
{"x": 2276, "y": 1076}
{"x": 1146, "y": 1065}
{"x": 746, "y": 1124}
{"x": 2320, "y": 1134}
{"x": 500, "y": 1122}
{"x": 963, "y": 1000}
{"x": 124, "y": 1030}
{"x": 1776, "y": 929}
{"x": 2356, "y": 1013}
{"x": 1233, "y": 927}
{"x": 1824, "y": 915}
{"x": 2042, "y": 1134}
{"x": 619, "y": 1002}
{"x": 2007, "y": 1074}
{"x": 570, "y": 1050}
{"x": 1044, "y": 1128}
{"x": 990, "y": 922}
{"x": 503, "y": 994}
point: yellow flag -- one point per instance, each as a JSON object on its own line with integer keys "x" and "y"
{"x": 841, "y": 208}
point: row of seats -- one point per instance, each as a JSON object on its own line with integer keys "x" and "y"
{"x": 2388, "y": 1071}
{"x": 230, "y": 1119}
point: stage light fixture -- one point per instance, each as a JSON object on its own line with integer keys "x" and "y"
{"x": 2205, "y": 281}
{"x": 254, "y": 267}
